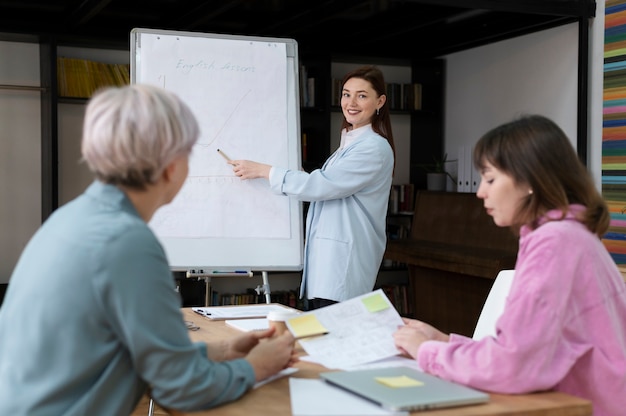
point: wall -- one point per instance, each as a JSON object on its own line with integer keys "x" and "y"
{"x": 20, "y": 152}
{"x": 490, "y": 85}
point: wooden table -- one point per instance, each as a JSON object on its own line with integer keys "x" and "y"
{"x": 273, "y": 398}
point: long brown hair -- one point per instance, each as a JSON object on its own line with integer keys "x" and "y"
{"x": 533, "y": 150}
{"x": 381, "y": 122}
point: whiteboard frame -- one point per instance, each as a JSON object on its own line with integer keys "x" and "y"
{"x": 230, "y": 254}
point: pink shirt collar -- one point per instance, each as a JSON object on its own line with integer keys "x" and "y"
{"x": 573, "y": 213}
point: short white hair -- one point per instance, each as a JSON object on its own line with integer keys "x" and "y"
{"x": 131, "y": 133}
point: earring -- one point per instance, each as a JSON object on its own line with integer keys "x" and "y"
{"x": 530, "y": 192}
{"x": 378, "y": 111}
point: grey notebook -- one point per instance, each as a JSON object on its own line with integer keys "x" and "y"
{"x": 424, "y": 391}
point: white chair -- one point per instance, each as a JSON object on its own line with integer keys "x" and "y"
{"x": 494, "y": 305}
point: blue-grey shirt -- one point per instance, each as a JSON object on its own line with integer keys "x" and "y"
{"x": 91, "y": 319}
{"x": 345, "y": 227}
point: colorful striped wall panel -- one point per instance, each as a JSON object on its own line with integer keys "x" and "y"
{"x": 614, "y": 127}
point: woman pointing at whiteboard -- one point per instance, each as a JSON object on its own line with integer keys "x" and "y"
{"x": 345, "y": 226}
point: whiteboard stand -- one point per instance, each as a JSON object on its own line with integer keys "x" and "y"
{"x": 265, "y": 288}
{"x": 207, "y": 275}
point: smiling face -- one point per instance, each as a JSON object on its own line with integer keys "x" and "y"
{"x": 359, "y": 102}
{"x": 501, "y": 195}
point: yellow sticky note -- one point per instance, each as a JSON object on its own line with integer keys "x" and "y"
{"x": 306, "y": 326}
{"x": 400, "y": 381}
{"x": 375, "y": 303}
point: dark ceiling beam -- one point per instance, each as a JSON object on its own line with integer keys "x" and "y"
{"x": 311, "y": 16}
{"x": 573, "y": 8}
{"x": 399, "y": 25}
{"x": 85, "y": 11}
{"x": 204, "y": 13}
{"x": 457, "y": 44}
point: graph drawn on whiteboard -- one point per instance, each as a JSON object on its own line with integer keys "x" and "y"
{"x": 214, "y": 203}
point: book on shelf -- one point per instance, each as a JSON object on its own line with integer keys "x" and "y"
{"x": 402, "y": 199}
{"x": 303, "y": 86}
{"x": 307, "y": 88}
{"x": 404, "y": 96}
{"x": 310, "y": 83}
{"x": 80, "y": 78}
{"x": 417, "y": 97}
{"x": 335, "y": 92}
{"x": 412, "y": 96}
{"x": 394, "y": 198}
{"x": 397, "y": 232}
{"x": 394, "y": 96}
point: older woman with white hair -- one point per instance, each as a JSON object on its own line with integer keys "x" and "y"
{"x": 91, "y": 319}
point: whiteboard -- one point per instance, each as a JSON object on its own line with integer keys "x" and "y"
{"x": 244, "y": 92}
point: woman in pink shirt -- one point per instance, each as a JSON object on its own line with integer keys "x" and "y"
{"x": 564, "y": 324}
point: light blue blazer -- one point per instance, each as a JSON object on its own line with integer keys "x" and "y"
{"x": 345, "y": 234}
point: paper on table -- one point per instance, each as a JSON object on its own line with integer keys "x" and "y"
{"x": 395, "y": 361}
{"x": 314, "y": 397}
{"x": 360, "y": 330}
{"x": 238, "y": 312}
{"x": 286, "y": 372}
{"x": 247, "y": 325}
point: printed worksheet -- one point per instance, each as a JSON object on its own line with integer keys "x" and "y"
{"x": 359, "y": 331}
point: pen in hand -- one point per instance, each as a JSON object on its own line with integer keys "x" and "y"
{"x": 223, "y": 155}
